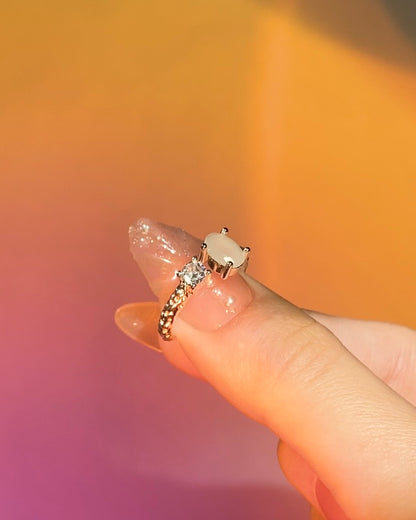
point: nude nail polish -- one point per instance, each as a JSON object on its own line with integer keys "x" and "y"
{"x": 216, "y": 302}
{"x": 161, "y": 250}
{"x": 139, "y": 322}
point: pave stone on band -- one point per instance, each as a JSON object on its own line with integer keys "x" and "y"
{"x": 222, "y": 255}
{"x": 191, "y": 275}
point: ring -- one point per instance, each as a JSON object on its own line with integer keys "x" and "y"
{"x": 218, "y": 254}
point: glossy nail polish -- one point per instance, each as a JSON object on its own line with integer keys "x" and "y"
{"x": 161, "y": 250}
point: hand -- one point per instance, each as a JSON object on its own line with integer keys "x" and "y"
{"x": 339, "y": 393}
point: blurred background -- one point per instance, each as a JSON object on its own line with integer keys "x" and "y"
{"x": 291, "y": 122}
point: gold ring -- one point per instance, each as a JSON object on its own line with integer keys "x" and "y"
{"x": 218, "y": 254}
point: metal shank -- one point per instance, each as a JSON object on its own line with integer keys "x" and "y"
{"x": 172, "y": 306}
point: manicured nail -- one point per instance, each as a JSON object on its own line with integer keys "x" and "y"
{"x": 139, "y": 322}
{"x": 215, "y": 302}
{"x": 161, "y": 250}
{"x": 329, "y": 506}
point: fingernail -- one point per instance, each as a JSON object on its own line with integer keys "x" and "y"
{"x": 161, "y": 250}
{"x": 139, "y": 322}
{"x": 215, "y": 302}
{"x": 329, "y": 506}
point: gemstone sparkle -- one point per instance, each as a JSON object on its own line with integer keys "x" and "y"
{"x": 193, "y": 272}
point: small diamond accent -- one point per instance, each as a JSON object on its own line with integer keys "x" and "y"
{"x": 193, "y": 273}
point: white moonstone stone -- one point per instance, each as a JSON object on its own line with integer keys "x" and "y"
{"x": 223, "y": 249}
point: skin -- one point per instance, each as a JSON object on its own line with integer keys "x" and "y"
{"x": 339, "y": 393}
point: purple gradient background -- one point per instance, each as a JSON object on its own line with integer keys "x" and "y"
{"x": 96, "y": 124}
{"x": 109, "y": 111}
{"x": 93, "y": 425}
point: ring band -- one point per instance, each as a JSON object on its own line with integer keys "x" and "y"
{"x": 191, "y": 275}
{"x": 222, "y": 255}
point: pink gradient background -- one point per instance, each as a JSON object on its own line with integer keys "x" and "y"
{"x": 252, "y": 115}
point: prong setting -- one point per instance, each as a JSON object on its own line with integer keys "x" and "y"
{"x": 221, "y": 249}
{"x": 227, "y": 269}
{"x": 203, "y": 253}
{"x": 192, "y": 273}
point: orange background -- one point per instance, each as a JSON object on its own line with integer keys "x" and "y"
{"x": 291, "y": 122}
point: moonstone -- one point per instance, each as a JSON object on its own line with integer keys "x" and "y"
{"x": 223, "y": 249}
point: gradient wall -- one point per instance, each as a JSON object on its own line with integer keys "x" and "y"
{"x": 293, "y": 123}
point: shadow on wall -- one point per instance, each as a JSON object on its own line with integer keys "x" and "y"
{"x": 404, "y": 12}
{"x": 363, "y": 24}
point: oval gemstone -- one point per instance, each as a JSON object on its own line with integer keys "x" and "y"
{"x": 223, "y": 249}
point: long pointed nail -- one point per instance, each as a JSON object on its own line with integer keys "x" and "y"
{"x": 139, "y": 322}
{"x": 160, "y": 250}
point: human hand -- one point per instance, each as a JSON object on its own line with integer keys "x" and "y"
{"x": 339, "y": 393}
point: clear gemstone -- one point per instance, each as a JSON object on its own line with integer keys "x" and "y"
{"x": 193, "y": 273}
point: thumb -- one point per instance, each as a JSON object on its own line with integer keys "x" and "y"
{"x": 285, "y": 370}
{"x": 278, "y": 365}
